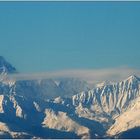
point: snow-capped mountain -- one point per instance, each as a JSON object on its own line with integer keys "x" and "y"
{"x": 67, "y": 108}
{"x": 112, "y": 105}
{"x": 110, "y": 99}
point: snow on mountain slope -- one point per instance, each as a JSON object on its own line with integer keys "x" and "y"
{"x": 127, "y": 120}
{"x": 9, "y": 105}
{"x": 3, "y": 127}
{"x": 62, "y": 122}
{"x": 110, "y": 99}
{"x": 19, "y": 112}
{"x": 5, "y": 132}
{"x": 1, "y": 103}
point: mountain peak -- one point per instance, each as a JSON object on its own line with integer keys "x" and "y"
{"x": 133, "y": 77}
{"x": 5, "y": 66}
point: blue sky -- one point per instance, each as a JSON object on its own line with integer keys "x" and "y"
{"x": 51, "y": 36}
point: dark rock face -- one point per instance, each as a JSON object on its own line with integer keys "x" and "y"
{"x": 130, "y": 134}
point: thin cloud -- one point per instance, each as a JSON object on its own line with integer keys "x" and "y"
{"x": 90, "y": 75}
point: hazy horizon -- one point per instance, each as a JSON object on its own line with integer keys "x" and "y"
{"x": 54, "y": 36}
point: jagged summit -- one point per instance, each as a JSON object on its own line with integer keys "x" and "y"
{"x": 132, "y": 78}
{"x": 6, "y": 67}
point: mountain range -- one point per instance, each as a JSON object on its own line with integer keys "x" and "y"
{"x": 67, "y": 108}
